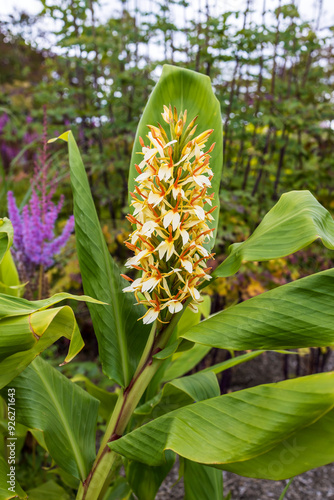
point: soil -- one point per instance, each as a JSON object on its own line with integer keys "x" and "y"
{"x": 317, "y": 484}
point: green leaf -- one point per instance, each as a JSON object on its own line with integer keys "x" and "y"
{"x": 107, "y": 399}
{"x": 176, "y": 365}
{"x": 5, "y": 493}
{"x": 6, "y": 236}
{"x": 144, "y": 480}
{"x": 306, "y": 449}
{"x": 120, "y": 490}
{"x": 121, "y": 337}
{"x": 183, "y": 362}
{"x": 9, "y": 278}
{"x": 190, "y": 318}
{"x": 294, "y": 222}
{"x": 50, "y": 490}
{"x": 202, "y": 482}
{"x": 20, "y": 434}
{"x": 233, "y": 427}
{"x": 191, "y": 91}
{"x": 181, "y": 392}
{"x": 299, "y": 314}
{"x": 15, "y": 306}
{"x": 230, "y": 363}
{"x": 48, "y": 401}
{"x": 28, "y": 328}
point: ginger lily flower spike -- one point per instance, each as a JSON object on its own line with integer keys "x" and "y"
{"x": 171, "y": 214}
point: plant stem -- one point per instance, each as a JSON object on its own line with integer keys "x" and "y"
{"x": 128, "y": 400}
{"x": 40, "y": 282}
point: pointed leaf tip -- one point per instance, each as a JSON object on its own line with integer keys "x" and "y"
{"x": 63, "y": 136}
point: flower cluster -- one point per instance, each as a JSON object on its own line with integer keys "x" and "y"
{"x": 34, "y": 230}
{"x": 170, "y": 218}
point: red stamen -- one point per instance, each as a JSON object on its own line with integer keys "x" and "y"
{"x": 212, "y": 209}
{"x": 177, "y": 203}
{"x": 139, "y": 268}
{"x": 126, "y": 277}
{"x": 131, "y": 246}
{"x": 151, "y": 247}
{"x": 211, "y": 148}
{"x": 157, "y": 270}
{"x": 133, "y": 220}
{"x": 139, "y": 192}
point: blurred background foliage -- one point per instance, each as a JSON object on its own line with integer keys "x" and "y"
{"x": 272, "y": 73}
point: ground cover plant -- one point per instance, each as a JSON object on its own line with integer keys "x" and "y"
{"x": 150, "y": 332}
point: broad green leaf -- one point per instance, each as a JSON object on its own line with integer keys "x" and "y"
{"x": 190, "y": 318}
{"x": 5, "y": 493}
{"x": 183, "y": 362}
{"x": 48, "y": 401}
{"x": 15, "y": 306}
{"x": 120, "y": 490}
{"x": 144, "y": 480}
{"x": 50, "y": 491}
{"x": 6, "y": 236}
{"x": 191, "y": 91}
{"x": 27, "y": 329}
{"x": 306, "y": 449}
{"x": 233, "y": 427}
{"x": 202, "y": 482}
{"x": 181, "y": 392}
{"x": 9, "y": 278}
{"x": 230, "y": 363}
{"x": 294, "y": 222}
{"x": 107, "y": 399}
{"x": 299, "y": 314}
{"x": 172, "y": 367}
{"x": 121, "y": 337}
{"x": 66, "y": 478}
{"x": 20, "y": 434}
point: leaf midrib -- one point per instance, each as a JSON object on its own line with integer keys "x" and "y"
{"x": 77, "y": 454}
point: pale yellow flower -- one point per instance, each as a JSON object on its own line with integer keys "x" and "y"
{"x": 170, "y": 218}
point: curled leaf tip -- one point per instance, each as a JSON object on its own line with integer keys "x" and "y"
{"x": 63, "y": 136}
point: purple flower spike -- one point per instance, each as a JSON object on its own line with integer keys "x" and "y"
{"x": 35, "y": 241}
{"x": 16, "y": 220}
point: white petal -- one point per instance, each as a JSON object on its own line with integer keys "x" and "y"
{"x": 199, "y": 212}
{"x": 151, "y": 316}
{"x": 154, "y": 199}
{"x": 202, "y": 251}
{"x": 149, "y": 153}
{"x": 149, "y": 285}
{"x": 169, "y": 143}
{"x": 135, "y": 285}
{"x": 174, "y": 306}
{"x": 164, "y": 172}
{"x": 170, "y": 251}
{"x": 143, "y": 176}
{"x": 187, "y": 265}
{"x": 163, "y": 247}
{"x": 134, "y": 260}
{"x": 176, "y": 220}
{"x": 168, "y": 218}
{"x": 185, "y": 236}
